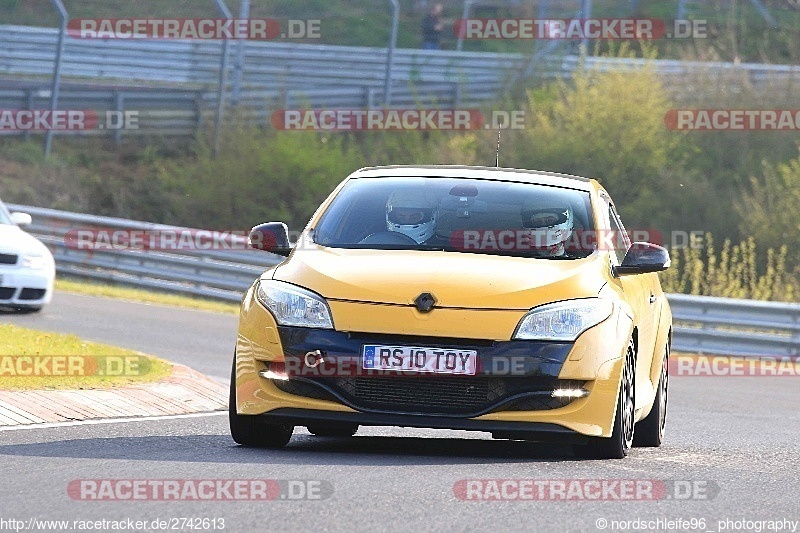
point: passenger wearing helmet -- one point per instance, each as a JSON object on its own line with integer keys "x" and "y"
{"x": 551, "y": 222}
{"x": 413, "y": 214}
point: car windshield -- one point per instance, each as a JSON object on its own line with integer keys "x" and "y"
{"x": 458, "y": 215}
{"x": 5, "y": 217}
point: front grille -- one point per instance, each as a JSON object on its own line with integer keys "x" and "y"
{"x": 450, "y": 395}
{"x": 31, "y": 294}
{"x": 443, "y": 395}
{"x": 8, "y": 259}
{"x": 6, "y": 293}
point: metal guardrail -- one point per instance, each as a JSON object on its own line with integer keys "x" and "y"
{"x": 165, "y": 112}
{"x": 29, "y": 50}
{"x": 159, "y": 111}
{"x": 712, "y": 325}
{"x": 701, "y": 324}
{"x": 216, "y": 273}
{"x": 172, "y": 84}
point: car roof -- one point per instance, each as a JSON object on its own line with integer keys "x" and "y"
{"x": 477, "y": 172}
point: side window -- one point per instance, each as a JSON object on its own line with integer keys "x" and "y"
{"x": 619, "y": 235}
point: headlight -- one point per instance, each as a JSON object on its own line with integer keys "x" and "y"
{"x": 563, "y": 321}
{"x": 33, "y": 261}
{"x": 293, "y": 306}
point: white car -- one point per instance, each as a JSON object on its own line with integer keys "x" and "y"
{"x": 27, "y": 268}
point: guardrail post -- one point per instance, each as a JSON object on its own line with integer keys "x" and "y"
{"x": 586, "y": 12}
{"x": 369, "y": 97}
{"x": 238, "y": 67}
{"x": 119, "y": 105}
{"x": 28, "y": 107}
{"x": 387, "y": 84}
{"x": 198, "y": 107}
{"x": 541, "y": 13}
{"x": 681, "y": 14}
{"x": 464, "y": 16}
{"x": 764, "y": 12}
{"x": 62, "y": 29}
{"x": 223, "y": 74}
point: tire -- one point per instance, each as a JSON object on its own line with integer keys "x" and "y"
{"x": 250, "y": 430}
{"x": 621, "y": 440}
{"x": 650, "y": 431}
{"x": 338, "y": 430}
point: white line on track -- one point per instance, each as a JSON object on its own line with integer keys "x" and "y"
{"x": 91, "y": 422}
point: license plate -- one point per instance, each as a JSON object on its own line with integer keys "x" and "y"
{"x": 420, "y": 359}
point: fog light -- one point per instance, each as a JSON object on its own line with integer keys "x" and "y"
{"x": 570, "y": 393}
{"x": 275, "y": 371}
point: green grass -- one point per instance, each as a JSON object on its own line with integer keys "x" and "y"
{"x": 77, "y": 364}
{"x": 139, "y": 295}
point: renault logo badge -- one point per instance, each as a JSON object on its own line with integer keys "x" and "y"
{"x": 425, "y": 302}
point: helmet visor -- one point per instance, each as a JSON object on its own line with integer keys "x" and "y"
{"x": 409, "y": 216}
{"x": 544, "y": 218}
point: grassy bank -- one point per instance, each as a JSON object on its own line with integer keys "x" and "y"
{"x": 31, "y": 359}
{"x": 145, "y": 296}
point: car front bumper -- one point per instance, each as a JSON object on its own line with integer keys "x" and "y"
{"x": 25, "y": 288}
{"x": 594, "y": 361}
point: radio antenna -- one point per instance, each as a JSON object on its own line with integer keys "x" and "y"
{"x": 497, "y": 154}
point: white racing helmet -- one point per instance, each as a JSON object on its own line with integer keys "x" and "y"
{"x": 551, "y": 222}
{"x": 412, "y": 213}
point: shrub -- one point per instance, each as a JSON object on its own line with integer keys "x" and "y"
{"x": 767, "y": 209}
{"x": 734, "y": 272}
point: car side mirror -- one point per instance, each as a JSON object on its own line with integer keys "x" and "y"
{"x": 643, "y": 257}
{"x": 271, "y": 237}
{"x": 21, "y": 219}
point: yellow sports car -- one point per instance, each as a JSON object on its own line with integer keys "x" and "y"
{"x": 487, "y": 299}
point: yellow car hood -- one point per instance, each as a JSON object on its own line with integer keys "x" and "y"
{"x": 460, "y": 280}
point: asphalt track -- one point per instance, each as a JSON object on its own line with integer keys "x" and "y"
{"x": 731, "y": 453}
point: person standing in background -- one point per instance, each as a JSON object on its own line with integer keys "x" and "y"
{"x": 432, "y": 29}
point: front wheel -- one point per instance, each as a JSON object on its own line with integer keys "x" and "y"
{"x": 650, "y": 431}
{"x": 250, "y": 430}
{"x": 621, "y": 440}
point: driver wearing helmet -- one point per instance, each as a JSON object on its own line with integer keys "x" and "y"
{"x": 551, "y": 223}
{"x": 413, "y": 214}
